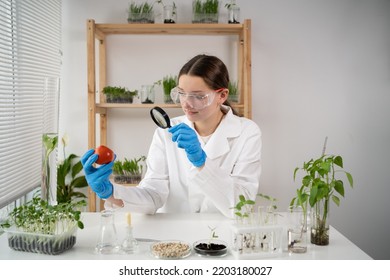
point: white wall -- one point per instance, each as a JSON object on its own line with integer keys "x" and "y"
{"x": 320, "y": 68}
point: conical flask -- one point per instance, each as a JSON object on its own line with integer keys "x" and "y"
{"x": 107, "y": 241}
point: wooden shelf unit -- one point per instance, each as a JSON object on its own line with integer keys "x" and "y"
{"x": 99, "y": 31}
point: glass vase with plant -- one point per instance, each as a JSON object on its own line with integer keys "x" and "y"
{"x": 320, "y": 186}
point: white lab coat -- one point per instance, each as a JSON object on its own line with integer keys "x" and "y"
{"x": 173, "y": 184}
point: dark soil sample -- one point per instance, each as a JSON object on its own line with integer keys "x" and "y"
{"x": 210, "y": 249}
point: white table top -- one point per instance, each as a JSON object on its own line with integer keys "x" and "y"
{"x": 185, "y": 227}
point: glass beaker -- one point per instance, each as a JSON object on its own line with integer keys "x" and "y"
{"x": 170, "y": 14}
{"x": 147, "y": 94}
{"x": 297, "y": 230}
{"x": 107, "y": 241}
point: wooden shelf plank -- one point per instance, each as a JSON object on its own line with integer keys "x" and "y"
{"x": 160, "y": 28}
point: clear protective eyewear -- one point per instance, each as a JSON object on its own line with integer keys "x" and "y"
{"x": 196, "y": 101}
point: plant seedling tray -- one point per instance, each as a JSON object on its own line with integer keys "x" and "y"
{"x": 41, "y": 243}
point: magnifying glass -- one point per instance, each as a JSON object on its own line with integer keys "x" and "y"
{"x": 160, "y": 117}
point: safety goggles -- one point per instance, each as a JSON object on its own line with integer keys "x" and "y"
{"x": 196, "y": 101}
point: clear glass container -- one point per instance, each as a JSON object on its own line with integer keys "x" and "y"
{"x": 107, "y": 240}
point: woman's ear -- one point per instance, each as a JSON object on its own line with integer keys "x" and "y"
{"x": 224, "y": 94}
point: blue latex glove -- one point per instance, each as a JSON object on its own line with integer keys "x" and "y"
{"x": 187, "y": 139}
{"x": 97, "y": 178}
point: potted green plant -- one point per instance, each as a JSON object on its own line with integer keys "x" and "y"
{"x": 128, "y": 171}
{"x": 320, "y": 185}
{"x": 118, "y": 94}
{"x": 140, "y": 13}
{"x": 205, "y": 11}
{"x": 233, "y": 92}
{"x": 39, "y": 227}
{"x": 168, "y": 83}
{"x": 69, "y": 179}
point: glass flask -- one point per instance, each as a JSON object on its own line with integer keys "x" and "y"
{"x": 107, "y": 241}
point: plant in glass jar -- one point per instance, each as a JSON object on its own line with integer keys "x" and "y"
{"x": 140, "y": 13}
{"x": 233, "y": 92}
{"x": 205, "y": 11}
{"x": 168, "y": 83}
{"x": 320, "y": 185}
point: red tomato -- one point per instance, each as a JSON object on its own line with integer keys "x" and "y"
{"x": 105, "y": 154}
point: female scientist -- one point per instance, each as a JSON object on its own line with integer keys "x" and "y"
{"x": 203, "y": 162}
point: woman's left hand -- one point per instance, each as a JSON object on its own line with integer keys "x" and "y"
{"x": 187, "y": 139}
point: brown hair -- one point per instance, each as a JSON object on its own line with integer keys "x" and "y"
{"x": 212, "y": 70}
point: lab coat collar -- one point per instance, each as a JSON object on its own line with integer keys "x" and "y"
{"x": 218, "y": 145}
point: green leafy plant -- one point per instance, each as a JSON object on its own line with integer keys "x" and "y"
{"x": 205, "y": 11}
{"x": 69, "y": 179}
{"x": 244, "y": 206}
{"x": 320, "y": 185}
{"x": 233, "y": 91}
{"x": 206, "y": 6}
{"x": 169, "y": 82}
{"x": 128, "y": 171}
{"x": 119, "y": 94}
{"x": 38, "y": 216}
{"x": 142, "y": 13}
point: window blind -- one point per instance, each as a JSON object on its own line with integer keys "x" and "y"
{"x": 30, "y": 53}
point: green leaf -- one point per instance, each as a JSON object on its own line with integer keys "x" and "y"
{"x": 350, "y": 179}
{"x": 242, "y": 198}
{"x": 250, "y": 202}
{"x": 336, "y": 200}
{"x": 79, "y": 182}
{"x": 313, "y": 196}
{"x": 339, "y": 187}
{"x": 338, "y": 160}
{"x": 295, "y": 172}
{"x": 77, "y": 169}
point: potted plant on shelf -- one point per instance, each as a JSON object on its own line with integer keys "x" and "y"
{"x": 128, "y": 171}
{"x": 168, "y": 82}
{"x": 320, "y": 185}
{"x": 233, "y": 92}
{"x": 205, "y": 11}
{"x": 140, "y": 13}
{"x": 119, "y": 94}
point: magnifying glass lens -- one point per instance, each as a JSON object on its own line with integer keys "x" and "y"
{"x": 160, "y": 117}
